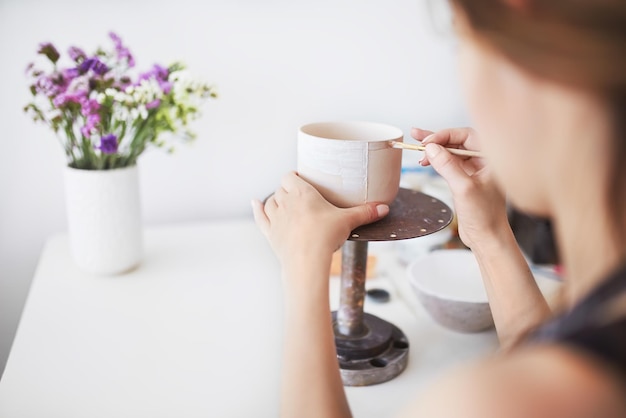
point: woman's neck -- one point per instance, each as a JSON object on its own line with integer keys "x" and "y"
{"x": 587, "y": 249}
{"x": 588, "y": 245}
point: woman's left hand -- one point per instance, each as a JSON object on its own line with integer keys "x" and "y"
{"x": 301, "y": 225}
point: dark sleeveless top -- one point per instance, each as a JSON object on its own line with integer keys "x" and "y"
{"x": 586, "y": 326}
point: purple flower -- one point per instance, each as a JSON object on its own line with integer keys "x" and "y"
{"x": 63, "y": 98}
{"x": 91, "y": 122}
{"x": 46, "y": 85}
{"x": 49, "y": 51}
{"x": 157, "y": 72}
{"x": 121, "y": 51}
{"x": 166, "y": 87}
{"x": 108, "y": 144}
{"x": 93, "y": 64}
{"x": 51, "y": 85}
{"x": 99, "y": 67}
{"x": 70, "y": 73}
{"x": 76, "y": 54}
{"x": 66, "y": 78}
{"x": 153, "y": 104}
{"x": 89, "y": 106}
{"x": 115, "y": 38}
{"x": 122, "y": 83}
{"x": 160, "y": 74}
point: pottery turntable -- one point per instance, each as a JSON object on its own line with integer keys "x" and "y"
{"x": 371, "y": 350}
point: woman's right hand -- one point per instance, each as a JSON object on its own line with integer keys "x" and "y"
{"x": 479, "y": 204}
{"x": 303, "y": 228}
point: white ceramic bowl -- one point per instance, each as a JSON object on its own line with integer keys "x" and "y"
{"x": 449, "y": 285}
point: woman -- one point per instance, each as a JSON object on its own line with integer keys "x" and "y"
{"x": 545, "y": 83}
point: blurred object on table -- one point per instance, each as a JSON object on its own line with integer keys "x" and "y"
{"x": 534, "y": 236}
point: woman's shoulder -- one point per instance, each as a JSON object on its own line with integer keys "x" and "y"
{"x": 596, "y": 326}
{"x": 542, "y": 381}
{"x": 574, "y": 366}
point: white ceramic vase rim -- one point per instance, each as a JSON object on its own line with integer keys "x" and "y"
{"x": 128, "y": 167}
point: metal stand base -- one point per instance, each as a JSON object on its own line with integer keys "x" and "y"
{"x": 369, "y": 349}
{"x": 375, "y": 357}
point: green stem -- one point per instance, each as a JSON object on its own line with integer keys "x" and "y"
{"x": 138, "y": 144}
{"x": 71, "y": 143}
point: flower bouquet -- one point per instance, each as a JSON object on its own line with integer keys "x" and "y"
{"x": 106, "y": 116}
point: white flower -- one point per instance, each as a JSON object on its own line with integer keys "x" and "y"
{"x": 121, "y": 97}
{"x": 53, "y": 114}
{"x": 147, "y": 91}
{"x": 188, "y": 90}
{"x": 79, "y": 83}
{"x": 121, "y": 113}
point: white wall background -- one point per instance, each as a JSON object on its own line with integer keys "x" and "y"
{"x": 277, "y": 63}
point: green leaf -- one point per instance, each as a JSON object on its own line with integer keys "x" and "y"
{"x": 176, "y": 66}
{"x": 49, "y": 51}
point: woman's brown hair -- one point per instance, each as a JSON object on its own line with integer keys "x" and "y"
{"x": 581, "y": 43}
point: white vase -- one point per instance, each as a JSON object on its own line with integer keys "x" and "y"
{"x": 104, "y": 219}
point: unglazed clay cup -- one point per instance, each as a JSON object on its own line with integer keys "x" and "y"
{"x": 351, "y": 163}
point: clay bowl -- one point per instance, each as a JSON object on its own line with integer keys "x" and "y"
{"x": 351, "y": 163}
{"x": 450, "y": 288}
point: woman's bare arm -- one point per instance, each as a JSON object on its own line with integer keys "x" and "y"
{"x": 304, "y": 230}
{"x": 516, "y": 302}
{"x": 311, "y": 384}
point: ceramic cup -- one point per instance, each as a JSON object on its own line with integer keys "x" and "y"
{"x": 350, "y": 163}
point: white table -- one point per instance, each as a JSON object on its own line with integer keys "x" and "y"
{"x": 195, "y": 331}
